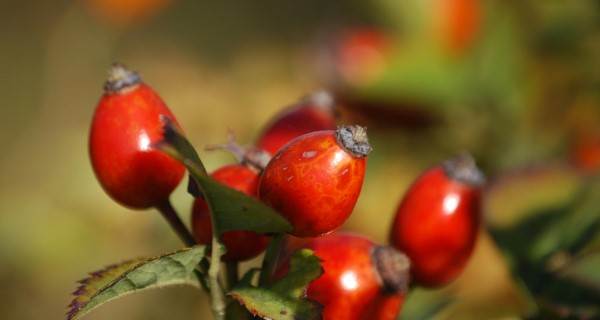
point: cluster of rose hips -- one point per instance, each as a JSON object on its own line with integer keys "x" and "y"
{"x": 313, "y": 177}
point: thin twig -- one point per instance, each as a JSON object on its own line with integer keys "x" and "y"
{"x": 169, "y": 213}
{"x": 254, "y": 157}
{"x": 232, "y": 268}
{"x": 232, "y": 146}
{"x": 270, "y": 259}
{"x": 216, "y": 292}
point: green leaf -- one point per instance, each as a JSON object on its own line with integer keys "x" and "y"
{"x": 546, "y": 247}
{"x": 565, "y": 228}
{"x": 519, "y": 193}
{"x": 582, "y": 223}
{"x": 231, "y": 209}
{"x": 268, "y": 304}
{"x": 285, "y": 298}
{"x": 177, "y": 146}
{"x": 518, "y": 242}
{"x": 235, "y": 311}
{"x": 305, "y": 266}
{"x": 424, "y": 304}
{"x": 585, "y": 271}
{"x": 118, "y": 280}
{"x": 569, "y": 293}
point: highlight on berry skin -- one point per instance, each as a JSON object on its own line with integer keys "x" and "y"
{"x": 438, "y": 219}
{"x": 130, "y": 171}
{"x": 361, "y": 279}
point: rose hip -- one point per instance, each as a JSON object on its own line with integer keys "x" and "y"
{"x": 126, "y": 124}
{"x": 437, "y": 221}
{"x": 315, "y": 180}
{"x": 360, "y": 280}
{"x": 314, "y": 112}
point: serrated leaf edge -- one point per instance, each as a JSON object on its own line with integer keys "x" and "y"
{"x": 75, "y": 308}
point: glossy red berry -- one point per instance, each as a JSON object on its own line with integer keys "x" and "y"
{"x": 437, "y": 221}
{"x": 315, "y": 180}
{"x": 240, "y": 245}
{"x": 126, "y": 124}
{"x": 360, "y": 279}
{"x": 312, "y": 113}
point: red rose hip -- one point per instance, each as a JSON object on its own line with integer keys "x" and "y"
{"x": 315, "y": 180}
{"x": 126, "y": 124}
{"x": 314, "y": 112}
{"x": 241, "y": 245}
{"x": 437, "y": 221}
{"x": 360, "y": 279}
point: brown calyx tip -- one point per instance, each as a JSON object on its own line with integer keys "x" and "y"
{"x": 393, "y": 268}
{"x": 354, "y": 139}
{"x": 120, "y": 79}
{"x": 464, "y": 169}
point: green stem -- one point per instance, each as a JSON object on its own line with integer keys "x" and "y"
{"x": 232, "y": 268}
{"x": 216, "y": 293}
{"x": 169, "y": 213}
{"x": 271, "y": 257}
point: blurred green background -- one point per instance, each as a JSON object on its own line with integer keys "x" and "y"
{"x": 516, "y": 83}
